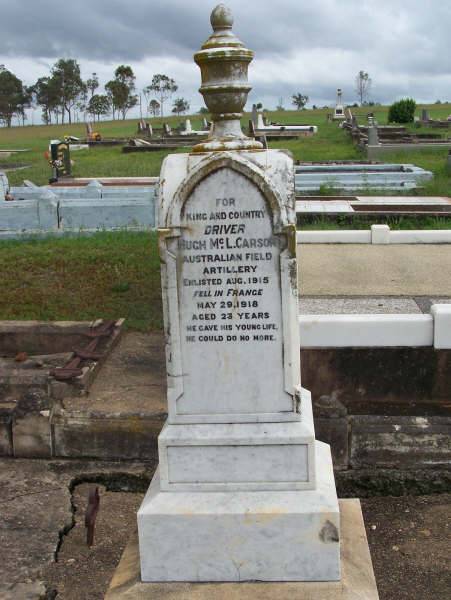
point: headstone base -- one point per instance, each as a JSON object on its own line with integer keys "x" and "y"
{"x": 357, "y": 580}
{"x": 242, "y": 536}
{"x": 226, "y": 457}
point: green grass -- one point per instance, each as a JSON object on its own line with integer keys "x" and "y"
{"x": 356, "y": 222}
{"x": 114, "y": 275}
{"x": 108, "y": 275}
{"x": 101, "y": 162}
{"x": 330, "y": 143}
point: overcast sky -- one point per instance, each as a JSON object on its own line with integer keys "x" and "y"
{"x": 311, "y": 47}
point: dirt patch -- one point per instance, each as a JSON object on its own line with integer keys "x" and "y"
{"x": 83, "y": 573}
{"x": 410, "y": 545}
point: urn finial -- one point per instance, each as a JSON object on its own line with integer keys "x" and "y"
{"x": 223, "y": 61}
{"x": 221, "y": 17}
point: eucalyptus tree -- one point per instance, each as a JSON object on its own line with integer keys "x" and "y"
{"x": 69, "y": 84}
{"x": 120, "y": 90}
{"x": 180, "y": 106}
{"x": 362, "y": 86}
{"x": 99, "y": 105}
{"x": 93, "y": 84}
{"x": 163, "y": 87}
{"x": 299, "y": 100}
{"x": 11, "y": 96}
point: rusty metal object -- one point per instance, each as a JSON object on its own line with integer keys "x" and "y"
{"x": 86, "y": 354}
{"x": 103, "y": 330}
{"x": 91, "y": 514}
{"x": 73, "y": 368}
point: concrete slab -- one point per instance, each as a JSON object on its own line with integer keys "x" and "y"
{"x": 6, "y": 438}
{"x": 343, "y": 306}
{"x": 125, "y": 409}
{"x": 319, "y": 206}
{"x": 135, "y": 370}
{"x": 374, "y": 270}
{"x": 394, "y": 442}
{"x": 32, "y": 436}
{"x": 358, "y": 582}
{"x": 421, "y": 201}
{"x": 36, "y": 513}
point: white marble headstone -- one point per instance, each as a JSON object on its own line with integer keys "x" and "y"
{"x": 231, "y": 295}
{"x": 230, "y": 308}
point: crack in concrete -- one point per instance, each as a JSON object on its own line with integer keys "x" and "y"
{"x": 64, "y": 531}
{"x": 114, "y": 482}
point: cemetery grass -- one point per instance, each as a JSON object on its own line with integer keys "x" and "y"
{"x": 113, "y": 275}
{"x": 356, "y": 222}
{"x": 106, "y": 275}
{"x": 330, "y": 143}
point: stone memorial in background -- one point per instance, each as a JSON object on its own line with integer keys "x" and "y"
{"x": 339, "y": 110}
{"x": 243, "y": 490}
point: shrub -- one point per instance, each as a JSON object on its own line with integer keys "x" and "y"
{"x": 402, "y": 111}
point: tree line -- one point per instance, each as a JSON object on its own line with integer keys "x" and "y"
{"x": 63, "y": 94}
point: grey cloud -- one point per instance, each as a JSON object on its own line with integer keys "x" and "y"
{"x": 390, "y": 38}
{"x": 119, "y": 30}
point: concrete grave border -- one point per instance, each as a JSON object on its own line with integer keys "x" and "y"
{"x": 378, "y": 234}
{"x": 377, "y": 330}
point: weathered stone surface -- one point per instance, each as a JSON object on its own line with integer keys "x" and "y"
{"x": 370, "y": 482}
{"x": 32, "y": 436}
{"x": 334, "y": 431}
{"x": 319, "y": 306}
{"x": 406, "y": 381}
{"x": 24, "y": 591}
{"x": 35, "y": 501}
{"x": 240, "y": 471}
{"x": 106, "y": 436}
{"x": 6, "y": 447}
{"x": 328, "y": 407}
{"x": 231, "y": 536}
{"x": 375, "y": 270}
{"x": 35, "y": 509}
{"x": 40, "y": 337}
{"x": 125, "y": 409}
{"x": 228, "y": 253}
{"x": 240, "y": 456}
{"x": 331, "y": 427}
{"x": 132, "y": 381}
{"x": 403, "y": 442}
{"x": 357, "y": 581}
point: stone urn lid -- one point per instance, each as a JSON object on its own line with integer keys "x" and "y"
{"x": 223, "y": 61}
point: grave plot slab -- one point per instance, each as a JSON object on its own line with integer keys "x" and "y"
{"x": 41, "y": 363}
{"x": 125, "y": 409}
